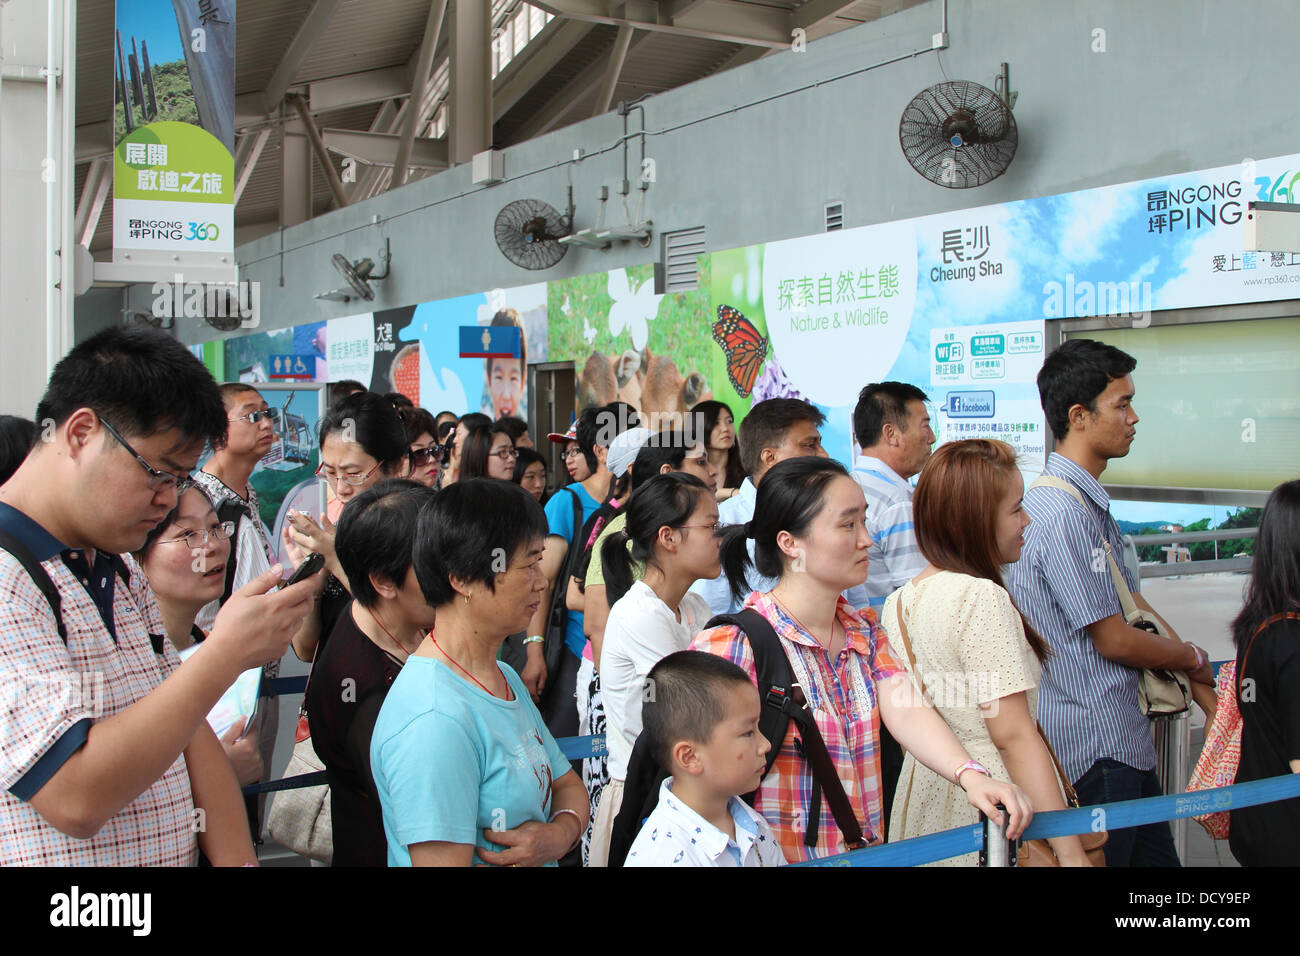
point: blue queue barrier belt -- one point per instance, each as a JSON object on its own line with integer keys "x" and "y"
{"x": 1111, "y": 816}
{"x": 969, "y": 839}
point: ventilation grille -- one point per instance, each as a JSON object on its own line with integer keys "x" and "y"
{"x": 679, "y": 272}
{"x": 834, "y": 216}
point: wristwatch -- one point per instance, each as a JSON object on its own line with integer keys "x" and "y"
{"x": 969, "y": 765}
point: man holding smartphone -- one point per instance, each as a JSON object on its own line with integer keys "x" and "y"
{"x": 108, "y": 759}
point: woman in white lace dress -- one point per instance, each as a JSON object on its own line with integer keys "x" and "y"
{"x": 976, "y": 656}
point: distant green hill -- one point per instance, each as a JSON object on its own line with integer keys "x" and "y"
{"x": 173, "y": 92}
{"x": 1201, "y": 550}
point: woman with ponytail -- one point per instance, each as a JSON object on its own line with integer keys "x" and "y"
{"x": 973, "y": 653}
{"x": 671, "y": 533}
{"x": 810, "y": 534}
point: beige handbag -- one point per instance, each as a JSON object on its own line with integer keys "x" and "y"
{"x": 1161, "y": 693}
{"x": 300, "y": 819}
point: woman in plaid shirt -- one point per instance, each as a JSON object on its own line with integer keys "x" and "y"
{"x": 809, "y": 531}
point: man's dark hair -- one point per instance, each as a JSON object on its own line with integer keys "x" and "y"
{"x": 398, "y": 400}
{"x": 516, "y": 428}
{"x": 684, "y": 700}
{"x": 1076, "y": 374}
{"x": 230, "y": 392}
{"x": 17, "y": 435}
{"x": 340, "y": 390}
{"x": 376, "y": 534}
{"x": 141, "y": 381}
{"x": 472, "y": 530}
{"x": 881, "y": 404}
{"x": 765, "y": 426}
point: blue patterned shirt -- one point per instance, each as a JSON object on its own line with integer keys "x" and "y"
{"x": 1088, "y": 705}
{"x": 894, "y": 558}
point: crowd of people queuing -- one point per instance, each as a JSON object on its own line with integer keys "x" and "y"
{"x": 946, "y": 632}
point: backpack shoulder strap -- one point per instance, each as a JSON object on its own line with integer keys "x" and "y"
{"x": 39, "y": 577}
{"x": 783, "y": 701}
{"x": 231, "y": 510}
{"x": 641, "y": 787}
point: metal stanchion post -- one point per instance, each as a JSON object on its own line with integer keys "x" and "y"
{"x": 998, "y": 850}
{"x": 1172, "y": 738}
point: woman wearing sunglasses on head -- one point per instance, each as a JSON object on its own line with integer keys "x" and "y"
{"x": 362, "y": 442}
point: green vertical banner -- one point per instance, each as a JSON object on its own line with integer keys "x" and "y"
{"x": 173, "y": 130}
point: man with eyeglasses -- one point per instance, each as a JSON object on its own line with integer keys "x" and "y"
{"x": 250, "y": 433}
{"x": 106, "y": 756}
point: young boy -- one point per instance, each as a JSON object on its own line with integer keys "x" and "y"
{"x": 702, "y": 718}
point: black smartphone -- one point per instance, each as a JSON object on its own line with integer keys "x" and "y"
{"x": 313, "y": 563}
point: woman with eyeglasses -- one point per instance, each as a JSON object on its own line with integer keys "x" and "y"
{"x": 488, "y": 453}
{"x": 362, "y": 442}
{"x": 184, "y": 559}
{"x": 426, "y": 452}
{"x": 671, "y": 528}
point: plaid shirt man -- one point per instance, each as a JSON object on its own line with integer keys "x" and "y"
{"x": 51, "y": 695}
{"x": 842, "y": 697}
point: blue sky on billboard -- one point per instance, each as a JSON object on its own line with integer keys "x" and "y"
{"x": 154, "y": 22}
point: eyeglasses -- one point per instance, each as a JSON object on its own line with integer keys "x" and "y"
{"x": 716, "y": 527}
{"x": 197, "y": 539}
{"x": 505, "y": 454}
{"x": 571, "y": 453}
{"x": 353, "y": 480}
{"x": 158, "y": 480}
{"x": 423, "y": 456}
{"x": 254, "y": 417}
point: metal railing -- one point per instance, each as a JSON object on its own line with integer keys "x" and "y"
{"x": 1180, "y": 568}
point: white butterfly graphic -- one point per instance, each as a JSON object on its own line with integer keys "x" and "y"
{"x": 631, "y": 311}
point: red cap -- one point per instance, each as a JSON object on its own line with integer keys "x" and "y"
{"x": 566, "y": 437}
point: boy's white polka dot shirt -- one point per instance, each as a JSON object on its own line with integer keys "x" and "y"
{"x": 675, "y": 835}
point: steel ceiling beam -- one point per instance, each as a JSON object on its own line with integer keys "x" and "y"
{"x": 312, "y": 27}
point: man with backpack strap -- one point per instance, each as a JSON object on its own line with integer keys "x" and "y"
{"x": 250, "y": 433}
{"x": 106, "y": 756}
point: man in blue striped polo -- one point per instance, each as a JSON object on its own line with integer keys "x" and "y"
{"x": 1088, "y": 702}
{"x": 892, "y": 427}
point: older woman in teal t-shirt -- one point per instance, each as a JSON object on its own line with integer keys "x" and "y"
{"x": 460, "y": 756}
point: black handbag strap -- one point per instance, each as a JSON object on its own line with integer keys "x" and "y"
{"x": 783, "y": 700}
